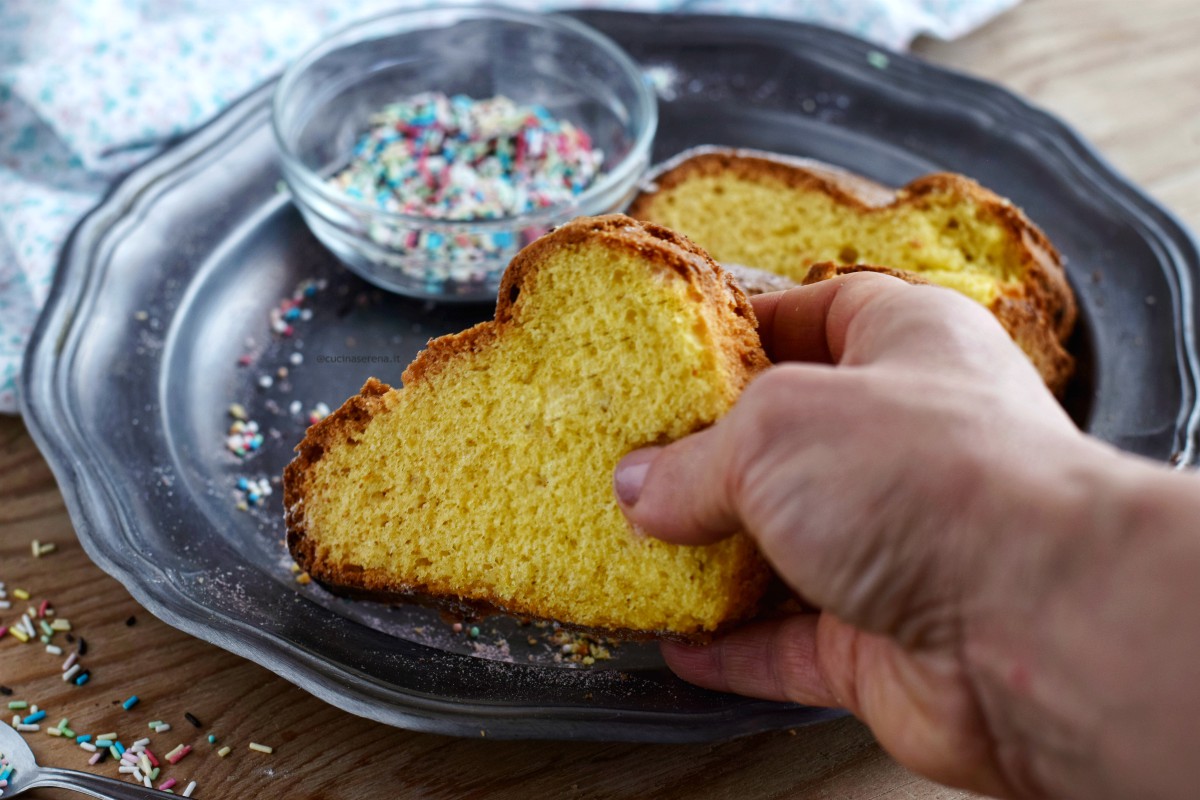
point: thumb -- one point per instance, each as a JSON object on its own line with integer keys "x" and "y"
{"x": 698, "y": 489}
{"x": 682, "y": 492}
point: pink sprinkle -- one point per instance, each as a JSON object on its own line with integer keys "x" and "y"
{"x": 149, "y": 755}
{"x": 175, "y": 758}
{"x": 245, "y": 361}
{"x": 3, "y": 629}
{"x": 167, "y": 784}
{"x": 95, "y": 759}
{"x": 129, "y": 758}
{"x": 42, "y": 609}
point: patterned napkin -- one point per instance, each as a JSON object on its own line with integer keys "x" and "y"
{"x": 90, "y": 88}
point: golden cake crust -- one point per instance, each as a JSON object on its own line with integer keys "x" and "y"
{"x": 1039, "y": 312}
{"x": 665, "y": 249}
{"x": 654, "y": 243}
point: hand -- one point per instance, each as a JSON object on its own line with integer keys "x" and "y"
{"x": 897, "y": 468}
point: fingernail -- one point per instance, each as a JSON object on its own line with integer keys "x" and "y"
{"x": 631, "y": 475}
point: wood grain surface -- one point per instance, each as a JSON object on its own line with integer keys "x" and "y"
{"x": 1125, "y": 75}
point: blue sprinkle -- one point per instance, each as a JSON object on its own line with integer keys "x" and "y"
{"x": 35, "y": 717}
{"x": 243, "y": 484}
{"x": 120, "y": 747}
{"x": 130, "y": 703}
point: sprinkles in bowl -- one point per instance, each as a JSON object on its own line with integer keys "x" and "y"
{"x": 456, "y": 158}
{"x": 459, "y": 159}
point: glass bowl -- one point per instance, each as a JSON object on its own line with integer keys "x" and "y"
{"x": 324, "y": 100}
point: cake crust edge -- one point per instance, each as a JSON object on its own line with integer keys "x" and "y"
{"x": 666, "y": 249}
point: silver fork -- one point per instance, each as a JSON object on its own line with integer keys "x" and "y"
{"x": 26, "y": 774}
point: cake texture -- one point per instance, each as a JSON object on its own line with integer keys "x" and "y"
{"x": 486, "y": 481}
{"x": 784, "y": 215}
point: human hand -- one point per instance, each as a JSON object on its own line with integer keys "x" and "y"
{"x": 888, "y": 467}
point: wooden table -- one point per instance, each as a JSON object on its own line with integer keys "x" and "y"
{"x": 1126, "y": 75}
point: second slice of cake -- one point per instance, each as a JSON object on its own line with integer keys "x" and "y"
{"x": 784, "y": 215}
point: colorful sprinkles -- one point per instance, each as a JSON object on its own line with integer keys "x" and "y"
{"x": 244, "y": 437}
{"x": 253, "y": 491}
{"x": 293, "y": 309}
{"x": 136, "y": 760}
{"x": 458, "y": 158}
{"x": 317, "y": 413}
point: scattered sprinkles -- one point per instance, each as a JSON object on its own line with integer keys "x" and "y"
{"x": 318, "y": 412}
{"x": 40, "y": 549}
{"x": 291, "y": 310}
{"x": 243, "y": 437}
{"x": 178, "y": 754}
{"x": 136, "y": 761}
{"x": 253, "y": 491}
{"x": 579, "y": 648}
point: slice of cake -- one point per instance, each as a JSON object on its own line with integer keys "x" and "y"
{"x": 784, "y": 215}
{"x": 486, "y": 482}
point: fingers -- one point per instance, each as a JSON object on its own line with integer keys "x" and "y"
{"x": 773, "y": 660}
{"x": 871, "y": 317}
{"x": 702, "y": 488}
{"x": 810, "y": 323}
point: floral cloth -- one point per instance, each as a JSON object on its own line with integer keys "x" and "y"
{"x": 90, "y": 88}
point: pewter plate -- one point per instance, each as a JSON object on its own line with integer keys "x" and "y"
{"x": 169, "y": 283}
